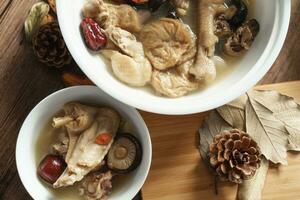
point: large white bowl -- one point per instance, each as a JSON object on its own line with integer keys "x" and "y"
{"x": 273, "y": 16}
{"x": 40, "y": 115}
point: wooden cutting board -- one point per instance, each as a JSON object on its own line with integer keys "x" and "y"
{"x": 178, "y": 173}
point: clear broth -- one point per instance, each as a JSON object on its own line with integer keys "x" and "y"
{"x": 191, "y": 20}
{"x": 47, "y": 137}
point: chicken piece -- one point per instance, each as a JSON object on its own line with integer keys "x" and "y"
{"x": 77, "y": 118}
{"x": 181, "y": 6}
{"x": 167, "y": 42}
{"x": 132, "y": 67}
{"x": 61, "y": 147}
{"x": 204, "y": 68}
{"x": 96, "y": 186}
{"x": 87, "y": 154}
{"x": 174, "y": 82}
{"x": 106, "y": 14}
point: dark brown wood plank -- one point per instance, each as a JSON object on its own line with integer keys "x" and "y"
{"x": 24, "y": 82}
{"x": 286, "y": 67}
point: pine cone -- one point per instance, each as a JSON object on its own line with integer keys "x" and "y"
{"x": 49, "y": 46}
{"x": 234, "y": 156}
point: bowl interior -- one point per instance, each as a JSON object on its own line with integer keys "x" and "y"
{"x": 38, "y": 117}
{"x": 246, "y": 72}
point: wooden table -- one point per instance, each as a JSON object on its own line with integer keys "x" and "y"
{"x": 24, "y": 82}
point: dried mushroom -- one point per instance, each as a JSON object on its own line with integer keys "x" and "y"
{"x": 241, "y": 13}
{"x": 125, "y": 154}
{"x": 234, "y": 156}
{"x": 222, "y": 27}
{"x": 242, "y": 39}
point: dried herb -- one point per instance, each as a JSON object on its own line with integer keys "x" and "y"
{"x": 270, "y": 118}
{"x": 234, "y": 112}
{"x": 274, "y": 120}
{"x": 252, "y": 189}
{"x": 34, "y": 19}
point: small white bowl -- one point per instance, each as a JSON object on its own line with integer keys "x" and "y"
{"x": 273, "y": 16}
{"x": 39, "y": 116}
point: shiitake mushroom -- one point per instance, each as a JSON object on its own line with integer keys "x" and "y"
{"x": 125, "y": 154}
{"x": 241, "y": 14}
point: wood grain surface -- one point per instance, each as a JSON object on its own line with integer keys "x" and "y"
{"x": 24, "y": 82}
{"x": 178, "y": 173}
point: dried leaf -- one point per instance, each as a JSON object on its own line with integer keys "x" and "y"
{"x": 285, "y": 109}
{"x": 212, "y": 126}
{"x": 267, "y": 131}
{"x": 234, "y": 112}
{"x": 34, "y": 18}
{"x": 252, "y": 189}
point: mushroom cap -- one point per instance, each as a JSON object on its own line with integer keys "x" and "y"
{"x": 125, "y": 154}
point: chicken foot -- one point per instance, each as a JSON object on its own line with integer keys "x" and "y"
{"x": 204, "y": 67}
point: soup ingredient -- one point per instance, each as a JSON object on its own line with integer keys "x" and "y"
{"x": 174, "y": 82}
{"x": 132, "y": 67}
{"x": 204, "y": 68}
{"x": 242, "y": 39}
{"x": 125, "y": 154}
{"x": 154, "y": 5}
{"x": 103, "y": 139}
{"x": 144, "y": 15}
{"x": 137, "y": 2}
{"x": 96, "y": 186}
{"x": 86, "y": 154}
{"x": 94, "y": 36}
{"x": 106, "y": 14}
{"x": 181, "y": 6}
{"x": 61, "y": 147}
{"x": 49, "y": 46}
{"x": 234, "y": 156}
{"x": 167, "y": 42}
{"x": 37, "y": 14}
{"x": 78, "y": 117}
{"x": 51, "y": 167}
{"x": 222, "y": 27}
{"x": 133, "y": 71}
{"x": 73, "y": 79}
{"x": 172, "y": 14}
{"x": 241, "y": 13}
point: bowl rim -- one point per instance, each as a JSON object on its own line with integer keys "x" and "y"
{"x": 270, "y": 53}
{"x": 64, "y": 91}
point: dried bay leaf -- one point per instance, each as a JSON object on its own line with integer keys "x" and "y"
{"x": 286, "y": 110}
{"x": 293, "y": 138}
{"x": 252, "y": 189}
{"x": 35, "y": 18}
{"x": 267, "y": 131}
{"x": 234, "y": 112}
{"x": 212, "y": 126}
